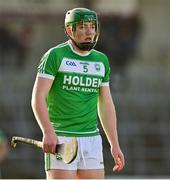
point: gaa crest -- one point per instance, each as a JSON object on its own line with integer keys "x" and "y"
{"x": 97, "y": 67}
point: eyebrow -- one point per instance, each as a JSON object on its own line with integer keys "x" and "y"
{"x": 81, "y": 23}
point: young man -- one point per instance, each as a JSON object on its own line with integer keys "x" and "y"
{"x": 71, "y": 84}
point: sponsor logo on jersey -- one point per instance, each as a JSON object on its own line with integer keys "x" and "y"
{"x": 70, "y": 63}
{"x": 82, "y": 81}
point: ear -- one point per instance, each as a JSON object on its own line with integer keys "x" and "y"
{"x": 68, "y": 30}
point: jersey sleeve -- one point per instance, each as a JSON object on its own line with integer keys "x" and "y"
{"x": 106, "y": 78}
{"x": 47, "y": 67}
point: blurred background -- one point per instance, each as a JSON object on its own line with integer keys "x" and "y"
{"x": 135, "y": 34}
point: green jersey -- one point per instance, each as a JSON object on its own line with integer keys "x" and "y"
{"x": 72, "y": 99}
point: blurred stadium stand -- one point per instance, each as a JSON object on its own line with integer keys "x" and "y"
{"x": 140, "y": 84}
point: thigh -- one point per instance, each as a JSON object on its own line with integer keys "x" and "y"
{"x": 61, "y": 174}
{"x": 90, "y": 174}
{"x": 91, "y": 153}
{"x": 52, "y": 162}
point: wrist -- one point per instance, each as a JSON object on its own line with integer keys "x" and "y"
{"x": 114, "y": 143}
{"x": 48, "y": 131}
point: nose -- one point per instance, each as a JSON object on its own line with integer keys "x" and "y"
{"x": 89, "y": 31}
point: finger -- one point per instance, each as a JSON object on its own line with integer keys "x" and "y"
{"x": 117, "y": 161}
{"x": 54, "y": 149}
{"x": 51, "y": 148}
{"x": 115, "y": 168}
{"x": 122, "y": 160}
{"x": 45, "y": 148}
{"x": 118, "y": 165}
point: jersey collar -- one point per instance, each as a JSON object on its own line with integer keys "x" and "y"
{"x": 80, "y": 54}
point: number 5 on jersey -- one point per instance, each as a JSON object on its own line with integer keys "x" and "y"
{"x": 85, "y": 66}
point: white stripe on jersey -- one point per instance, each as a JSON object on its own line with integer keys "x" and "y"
{"x": 46, "y": 58}
{"x": 82, "y": 67}
{"x": 70, "y": 132}
{"x": 48, "y": 76}
{"x": 104, "y": 84}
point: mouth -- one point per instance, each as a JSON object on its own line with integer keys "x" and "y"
{"x": 88, "y": 39}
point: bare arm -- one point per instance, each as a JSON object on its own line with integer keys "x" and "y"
{"x": 107, "y": 115}
{"x": 38, "y": 102}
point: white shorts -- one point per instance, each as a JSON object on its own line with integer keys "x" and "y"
{"x": 89, "y": 155}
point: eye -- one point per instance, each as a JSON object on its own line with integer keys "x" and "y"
{"x": 93, "y": 26}
{"x": 81, "y": 26}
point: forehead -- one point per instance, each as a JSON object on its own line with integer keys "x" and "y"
{"x": 86, "y": 23}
